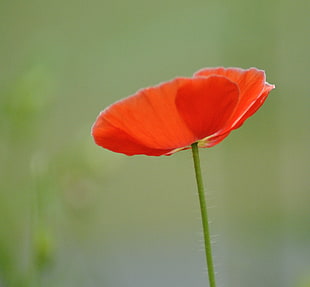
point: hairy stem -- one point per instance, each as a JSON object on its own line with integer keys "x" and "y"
{"x": 204, "y": 215}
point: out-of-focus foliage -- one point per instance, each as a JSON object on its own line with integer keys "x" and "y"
{"x": 73, "y": 214}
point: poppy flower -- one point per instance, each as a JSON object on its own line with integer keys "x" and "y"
{"x": 171, "y": 116}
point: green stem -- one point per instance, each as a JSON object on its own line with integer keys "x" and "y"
{"x": 204, "y": 215}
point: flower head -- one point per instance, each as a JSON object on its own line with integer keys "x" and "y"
{"x": 170, "y": 117}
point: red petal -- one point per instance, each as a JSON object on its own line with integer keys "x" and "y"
{"x": 145, "y": 123}
{"x": 170, "y": 117}
{"x": 206, "y": 104}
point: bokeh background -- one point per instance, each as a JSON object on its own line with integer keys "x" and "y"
{"x": 74, "y": 214}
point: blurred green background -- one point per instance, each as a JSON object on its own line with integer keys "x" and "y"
{"x": 74, "y": 214}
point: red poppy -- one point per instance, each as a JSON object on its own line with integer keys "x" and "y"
{"x": 170, "y": 117}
